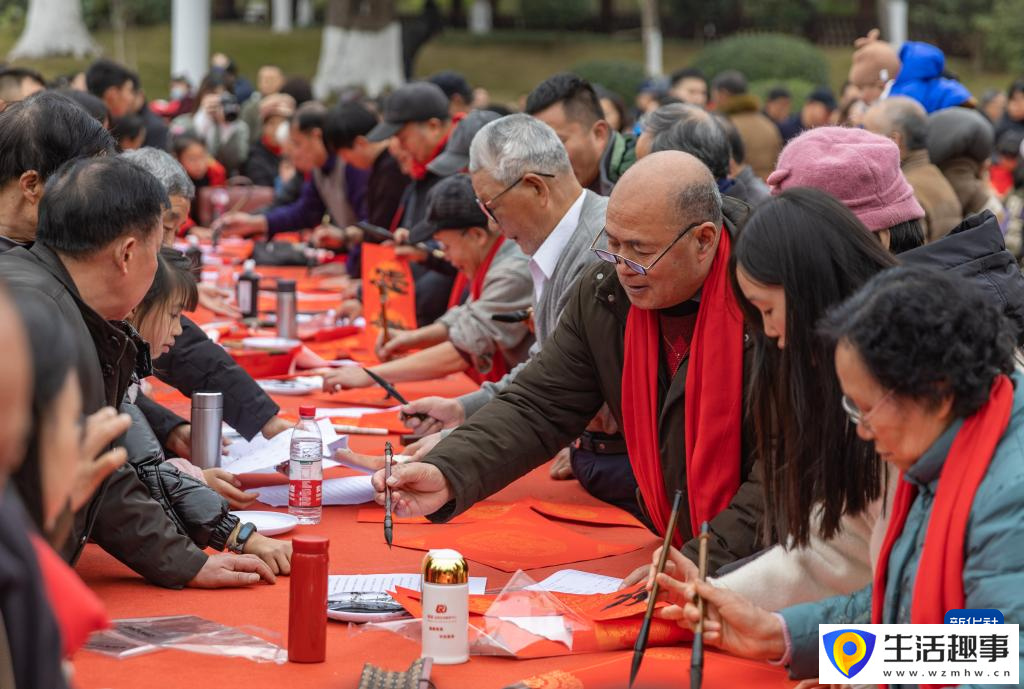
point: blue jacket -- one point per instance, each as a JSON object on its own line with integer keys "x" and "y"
{"x": 921, "y": 78}
{"x": 993, "y": 558}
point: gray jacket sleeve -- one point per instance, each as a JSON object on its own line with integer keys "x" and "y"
{"x": 508, "y": 288}
{"x": 472, "y": 402}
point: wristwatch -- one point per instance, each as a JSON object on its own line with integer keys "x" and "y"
{"x": 245, "y": 531}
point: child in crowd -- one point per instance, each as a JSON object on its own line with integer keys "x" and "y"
{"x": 202, "y": 168}
{"x": 186, "y": 491}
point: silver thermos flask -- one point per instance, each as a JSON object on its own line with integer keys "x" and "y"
{"x": 207, "y": 415}
{"x": 287, "y": 325}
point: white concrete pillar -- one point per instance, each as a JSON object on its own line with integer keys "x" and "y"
{"x": 897, "y": 11}
{"x": 480, "y": 20}
{"x": 190, "y": 39}
{"x": 281, "y": 12}
{"x": 304, "y": 17}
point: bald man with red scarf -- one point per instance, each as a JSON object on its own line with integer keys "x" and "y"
{"x": 659, "y": 338}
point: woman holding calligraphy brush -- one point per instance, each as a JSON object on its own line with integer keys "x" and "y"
{"x": 926, "y": 367}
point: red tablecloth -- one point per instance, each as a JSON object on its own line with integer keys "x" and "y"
{"x": 360, "y": 548}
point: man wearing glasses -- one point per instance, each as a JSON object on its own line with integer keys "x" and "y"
{"x": 654, "y": 332}
{"x": 526, "y": 187}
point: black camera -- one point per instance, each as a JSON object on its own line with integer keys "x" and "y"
{"x": 229, "y": 104}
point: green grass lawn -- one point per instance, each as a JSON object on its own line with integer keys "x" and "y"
{"x": 508, "y": 64}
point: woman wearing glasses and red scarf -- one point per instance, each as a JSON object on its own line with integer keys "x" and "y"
{"x": 926, "y": 367}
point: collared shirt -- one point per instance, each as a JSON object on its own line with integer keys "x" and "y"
{"x": 544, "y": 260}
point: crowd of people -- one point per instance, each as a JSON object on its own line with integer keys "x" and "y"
{"x": 809, "y": 322}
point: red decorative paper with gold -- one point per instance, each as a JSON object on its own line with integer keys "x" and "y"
{"x": 486, "y": 510}
{"x": 387, "y": 289}
{"x": 522, "y": 539}
{"x": 604, "y": 515}
{"x": 597, "y": 635}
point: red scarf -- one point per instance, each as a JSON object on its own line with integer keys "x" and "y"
{"x": 77, "y": 609}
{"x": 713, "y": 405}
{"x": 943, "y": 552}
{"x": 499, "y": 367}
{"x": 419, "y": 170}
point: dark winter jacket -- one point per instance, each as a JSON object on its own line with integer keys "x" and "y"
{"x": 196, "y": 509}
{"x": 975, "y": 250}
{"x": 121, "y": 517}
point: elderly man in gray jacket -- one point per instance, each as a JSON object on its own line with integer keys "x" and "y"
{"x": 525, "y": 184}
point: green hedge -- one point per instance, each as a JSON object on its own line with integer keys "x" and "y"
{"x": 555, "y": 14}
{"x": 765, "y": 57}
{"x": 621, "y": 76}
{"x": 797, "y": 87}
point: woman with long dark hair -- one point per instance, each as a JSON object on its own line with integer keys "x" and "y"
{"x": 801, "y": 253}
{"x": 927, "y": 374}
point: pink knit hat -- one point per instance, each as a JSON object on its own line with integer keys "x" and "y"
{"x": 857, "y": 167}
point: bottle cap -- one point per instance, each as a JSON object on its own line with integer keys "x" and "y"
{"x": 307, "y": 412}
{"x": 445, "y": 566}
{"x": 207, "y": 400}
{"x": 249, "y": 265}
{"x": 286, "y": 285}
{"x": 193, "y": 240}
{"x": 310, "y": 545}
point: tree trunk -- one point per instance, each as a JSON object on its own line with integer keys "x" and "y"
{"x": 457, "y": 13}
{"x": 190, "y": 39}
{"x": 652, "y": 38}
{"x": 304, "y": 14}
{"x": 54, "y": 28}
{"x": 361, "y": 47}
{"x": 481, "y": 17}
{"x": 607, "y": 15}
{"x": 281, "y": 11}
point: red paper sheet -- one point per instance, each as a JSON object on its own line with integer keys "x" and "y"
{"x": 486, "y": 510}
{"x": 604, "y": 515}
{"x": 520, "y": 540}
{"x": 390, "y": 276}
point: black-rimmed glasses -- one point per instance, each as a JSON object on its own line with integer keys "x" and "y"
{"x": 486, "y": 207}
{"x": 609, "y": 257}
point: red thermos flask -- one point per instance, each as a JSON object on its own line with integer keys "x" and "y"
{"x": 307, "y": 600}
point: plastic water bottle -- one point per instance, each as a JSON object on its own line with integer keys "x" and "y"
{"x": 306, "y": 469}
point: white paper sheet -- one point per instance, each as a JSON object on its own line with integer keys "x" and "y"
{"x": 352, "y": 490}
{"x": 551, "y": 627}
{"x": 382, "y": 583}
{"x": 260, "y": 453}
{"x": 352, "y": 412}
{"x": 575, "y": 581}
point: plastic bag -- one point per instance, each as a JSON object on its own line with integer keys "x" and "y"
{"x": 140, "y": 635}
{"x": 521, "y": 621}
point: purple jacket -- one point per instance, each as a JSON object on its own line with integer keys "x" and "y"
{"x": 308, "y": 210}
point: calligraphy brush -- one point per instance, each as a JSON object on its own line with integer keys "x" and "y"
{"x": 395, "y": 394}
{"x": 645, "y": 629}
{"x": 697, "y": 654}
{"x": 389, "y": 458}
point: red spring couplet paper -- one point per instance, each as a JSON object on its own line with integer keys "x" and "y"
{"x": 486, "y": 510}
{"x": 663, "y": 668}
{"x": 602, "y": 515}
{"x": 387, "y": 289}
{"x": 520, "y": 540}
{"x": 593, "y": 636}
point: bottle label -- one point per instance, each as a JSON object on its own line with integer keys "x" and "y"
{"x": 245, "y": 296}
{"x": 305, "y": 492}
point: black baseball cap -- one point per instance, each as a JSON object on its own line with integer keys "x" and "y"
{"x": 823, "y": 95}
{"x": 452, "y": 83}
{"x": 455, "y": 157}
{"x": 451, "y": 205}
{"x": 416, "y": 102}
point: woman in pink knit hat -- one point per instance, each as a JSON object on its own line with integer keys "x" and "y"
{"x": 860, "y": 169}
